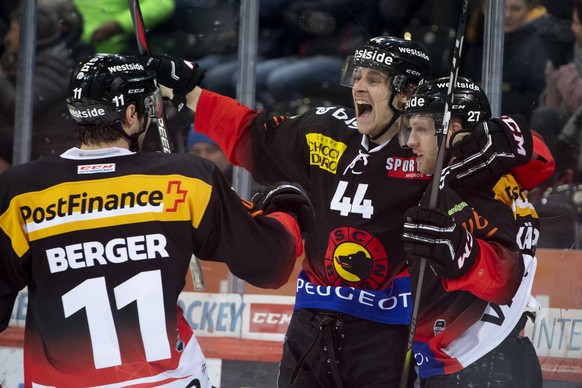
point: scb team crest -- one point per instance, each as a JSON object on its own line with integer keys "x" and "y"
{"x": 355, "y": 258}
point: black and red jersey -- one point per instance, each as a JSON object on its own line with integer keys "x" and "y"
{"x": 460, "y": 320}
{"x": 360, "y": 190}
{"x": 355, "y": 260}
{"x": 103, "y": 240}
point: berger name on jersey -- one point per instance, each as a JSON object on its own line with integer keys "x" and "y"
{"x": 118, "y": 250}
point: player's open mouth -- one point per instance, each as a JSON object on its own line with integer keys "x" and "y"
{"x": 363, "y": 109}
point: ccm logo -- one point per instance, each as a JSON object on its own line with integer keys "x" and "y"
{"x": 95, "y": 168}
{"x": 269, "y": 318}
{"x": 517, "y": 135}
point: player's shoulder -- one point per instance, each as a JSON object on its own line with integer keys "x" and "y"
{"x": 325, "y": 118}
{"x": 334, "y": 112}
{"x": 39, "y": 166}
{"x": 182, "y": 163}
{"x": 33, "y": 176}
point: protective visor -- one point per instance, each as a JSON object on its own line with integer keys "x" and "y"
{"x": 405, "y": 127}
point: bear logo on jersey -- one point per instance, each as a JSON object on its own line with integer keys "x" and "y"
{"x": 355, "y": 258}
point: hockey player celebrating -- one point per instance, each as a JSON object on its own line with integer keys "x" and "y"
{"x": 103, "y": 236}
{"x": 352, "y": 305}
{"x": 480, "y": 248}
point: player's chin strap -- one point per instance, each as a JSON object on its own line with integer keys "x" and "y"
{"x": 395, "y": 116}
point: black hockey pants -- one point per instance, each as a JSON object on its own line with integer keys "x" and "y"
{"x": 330, "y": 349}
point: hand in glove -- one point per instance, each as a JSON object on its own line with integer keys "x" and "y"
{"x": 434, "y": 235}
{"x": 287, "y": 197}
{"x": 488, "y": 151}
{"x": 177, "y": 74}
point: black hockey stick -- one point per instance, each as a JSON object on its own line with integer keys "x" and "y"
{"x": 166, "y": 145}
{"x": 435, "y": 183}
{"x": 142, "y": 44}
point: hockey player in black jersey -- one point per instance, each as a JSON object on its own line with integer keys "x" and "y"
{"x": 479, "y": 243}
{"x": 353, "y": 304}
{"x": 103, "y": 236}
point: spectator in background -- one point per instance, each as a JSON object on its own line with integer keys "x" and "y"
{"x": 203, "y": 146}
{"x": 428, "y": 23}
{"x": 524, "y": 57}
{"x": 108, "y": 25}
{"x": 207, "y": 32}
{"x": 6, "y": 8}
{"x": 53, "y": 129}
{"x": 70, "y": 27}
{"x": 551, "y": 20}
{"x": 204, "y": 31}
{"x": 272, "y": 51}
{"x": 559, "y": 117}
{"x": 324, "y": 32}
{"x": 303, "y": 55}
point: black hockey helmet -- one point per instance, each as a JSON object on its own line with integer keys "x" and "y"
{"x": 469, "y": 103}
{"x": 404, "y": 60}
{"x": 103, "y": 85}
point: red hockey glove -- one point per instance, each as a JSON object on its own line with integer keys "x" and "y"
{"x": 287, "y": 197}
{"x": 434, "y": 235}
{"x": 177, "y": 74}
{"x": 488, "y": 151}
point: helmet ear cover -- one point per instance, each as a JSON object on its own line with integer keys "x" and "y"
{"x": 399, "y": 82}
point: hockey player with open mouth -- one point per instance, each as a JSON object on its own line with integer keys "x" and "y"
{"x": 353, "y": 305}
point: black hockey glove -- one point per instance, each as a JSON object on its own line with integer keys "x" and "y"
{"x": 177, "y": 74}
{"x": 287, "y": 197}
{"x": 488, "y": 151}
{"x": 433, "y": 234}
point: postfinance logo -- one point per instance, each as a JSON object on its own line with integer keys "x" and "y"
{"x": 324, "y": 151}
{"x": 107, "y": 202}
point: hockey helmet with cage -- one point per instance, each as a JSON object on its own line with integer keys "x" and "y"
{"x": 404, "y": 60}
{"x": 103, "y": 85}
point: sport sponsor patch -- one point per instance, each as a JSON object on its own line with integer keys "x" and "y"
{"x": 404, "y": 168}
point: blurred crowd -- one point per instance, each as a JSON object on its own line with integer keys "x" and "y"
{"x": 302, "y": 46}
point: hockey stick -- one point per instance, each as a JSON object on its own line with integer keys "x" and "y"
{"x": 142, "y": 44}
{"x": 435, "y": 183}
{"x": 166, "y": 145}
